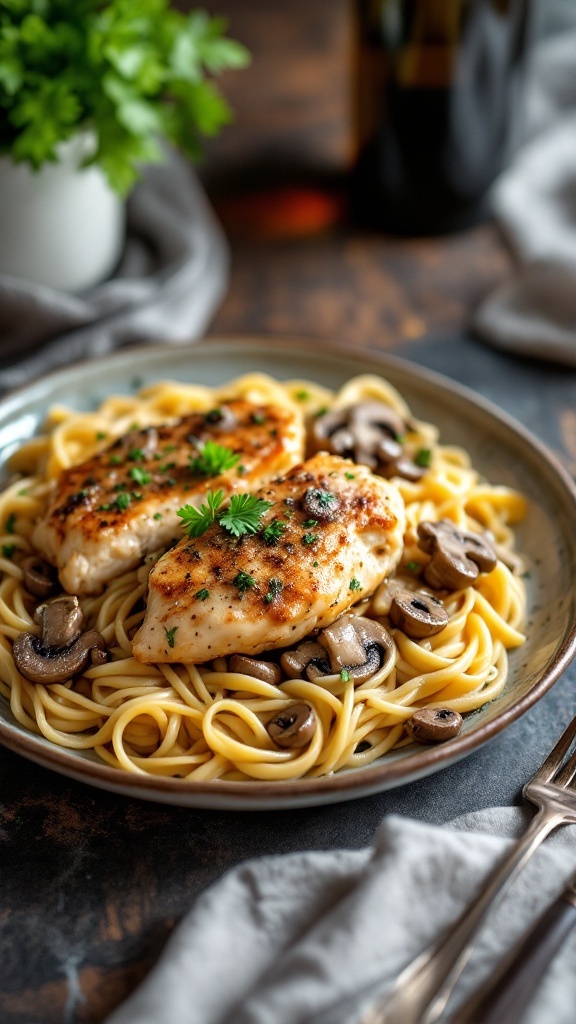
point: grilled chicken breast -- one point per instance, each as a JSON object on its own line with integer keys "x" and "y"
{"x": 331, "y": 535}
{"x": 121, "y": 504}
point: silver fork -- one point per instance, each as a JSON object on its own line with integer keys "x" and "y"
{"x": 423, "y": 988}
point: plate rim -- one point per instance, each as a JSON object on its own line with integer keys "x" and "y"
{"x": 260, "y": 794}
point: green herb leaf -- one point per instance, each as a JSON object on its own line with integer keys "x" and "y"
{"x": 213, "y": 460}
{"x": 355, "y": 584}
{"x": 201, "y": 595}
{"x": 243, "y": 581}
{"x": 196, "y": 521}
{"x": 271, "y": 534}
{"x": 170, "y": 635}
{"x": 8, "y": 550}
{"x": 275, "y": 588}
{"x": 423, "y": 457}
{"x": 10, "y": 523}
{"x": 140, "y": 475}
{"x": 243, "y": 514}
{"x": 344, "y": 675}
{"x": 309, "y": 538}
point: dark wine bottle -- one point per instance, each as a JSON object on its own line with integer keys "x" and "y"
{"x": 437, "y": 100}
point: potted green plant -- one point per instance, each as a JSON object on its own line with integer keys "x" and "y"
{"x": 90, "y": 92}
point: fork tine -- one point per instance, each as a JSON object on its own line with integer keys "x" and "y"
{"x": 565, "y": 777}
{"x": 554, "y": 760}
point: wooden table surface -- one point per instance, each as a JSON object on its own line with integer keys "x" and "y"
{"x": 92, "y": 883}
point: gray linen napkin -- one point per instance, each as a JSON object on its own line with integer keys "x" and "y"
{"x": 533, "y": 313}
{"x": 316, "y": 937}
{"x": 170, "y": 280}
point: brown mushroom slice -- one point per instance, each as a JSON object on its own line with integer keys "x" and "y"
{"x": 61, "y": 620}
{"x": 267, "y": 671}
{"x": 353, "y": 637}
{"x": 308, "y": 654}
{"x": 457, "y": 556}
{"x": 39, "y": 577}
{"x": 47, "y": 665}
{"x": 434, "y": 725}
{"x": 417, "y": 614}
{"x": 320, "y": 504}
{"x": 294, "y": 727}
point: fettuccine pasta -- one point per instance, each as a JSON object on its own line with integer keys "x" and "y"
{"x": 201, "y": 722}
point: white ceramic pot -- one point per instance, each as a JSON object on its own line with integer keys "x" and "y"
{"x": 62, "y": 226}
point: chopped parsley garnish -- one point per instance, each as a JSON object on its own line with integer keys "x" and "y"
{"x": 169, "y": 448}
{"x": 157, "y": 515}
{"x": 101, "y": 435}
{"x": 212, "y": 460}
{"x": 140, "y": 475}
{"x": 23, "y": 492}
{"x": 123, "y": 500}
{"x": 136, "y": 455}
{"x": 241, "y": 516}
{"x": 201, "y": 595}
{"x": 355, "y": 584}
{"x": 170, "y": 635}
{"x": 115, "y": 460}
{"x": 309, "y": 538}
{"x": 349, "y": 476}
{"x": 243, "y": 581}
{"x": 8, "y": 550}
{"x": 423, "y": 458}
{"x": 10, "y": 523}
{"x": 344, "y": 675}
{"x": 240, "y": 470}
{"x": 413, "y": 566}
{"x": 259, "y": 418}
{"x": 310, "y": 522}
{"x": 302, "y": 395}
{"x": 274, "y": 590}
{"x": 321, "y": 411}
{"x": 271, "y": 534}
{"x": 166, "y": 466}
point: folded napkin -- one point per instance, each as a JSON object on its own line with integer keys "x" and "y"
{"x": 315, "y": 938}
{"x": 170, "y": 280}
{"x": 533, "y": 313}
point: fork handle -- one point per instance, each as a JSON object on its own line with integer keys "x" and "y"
{"x": 505, "y": 996}
{"x": 423, "y": 988}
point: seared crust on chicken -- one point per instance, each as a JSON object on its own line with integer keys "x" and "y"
{"x": 111, "y": 510}
{"x": 333, "y": 533}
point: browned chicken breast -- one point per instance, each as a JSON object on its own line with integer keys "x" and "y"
{"x": 121, "y": 504}
{"x": 330, "y": 534}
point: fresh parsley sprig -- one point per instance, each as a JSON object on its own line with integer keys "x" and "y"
{"x": 242, "y": 515}
{"x": 212, "y": 460}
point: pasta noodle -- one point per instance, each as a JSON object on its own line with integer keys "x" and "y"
{"x": 205, "y": 722}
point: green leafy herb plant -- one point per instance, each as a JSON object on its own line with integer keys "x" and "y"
{"x": 133, "y": 72}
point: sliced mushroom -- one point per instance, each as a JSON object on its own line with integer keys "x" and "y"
{"x": 357, "y": 645}
{"x": 293, "y": 727}
{"x": 48, "y": 665}
{"x": 369, "y": 433}
{"x": 457, "y": 555}
{"x": 434, "y": 725}
{"x": 61, "y": 620}
{"x": 417, "y": 614}
{"x": 320, "y": 504}
{"x": 308, "y": 655}
{"x": 267, "y": 671}
{"x": 38, "y": 576}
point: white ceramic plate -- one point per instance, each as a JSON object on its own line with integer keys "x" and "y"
{"x": 500, "y": 448}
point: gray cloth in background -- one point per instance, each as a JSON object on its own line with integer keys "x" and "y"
{"x": 314, "y": 938}
{"x": 172, "y": 276}
{"x": 533, "y": 313}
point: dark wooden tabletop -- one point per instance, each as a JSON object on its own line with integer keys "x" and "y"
{"x": 91, "y": 882}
